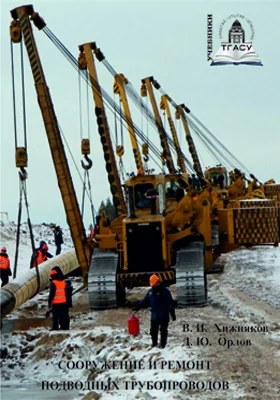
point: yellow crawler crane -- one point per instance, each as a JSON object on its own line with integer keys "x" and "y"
{"x": 21, "y": 27}
{"x": 146, "y": 237}
{"x": 249, "y": 222}
{"x": 179, "y": 243}
{"x": 244, "y": 215}
{"x": 254, "y": 220}
{"x": 247, "y": 216}
{"x": 272, "y": 189}
{"x": 175, "y": 245}
{"x": 218, "y": 178}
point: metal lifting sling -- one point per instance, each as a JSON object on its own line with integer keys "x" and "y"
{"x": 21, "y": 162}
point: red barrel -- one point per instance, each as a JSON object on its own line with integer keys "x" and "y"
{"x": 133, "y": 326}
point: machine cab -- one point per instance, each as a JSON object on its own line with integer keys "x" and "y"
{"x": 144, "y": 244}
{"x": 169, "y": 188}
{"x": 217, "y": 176}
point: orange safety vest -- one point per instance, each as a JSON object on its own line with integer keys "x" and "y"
{"x": 4, "y": 262}
{"x": 60, "y": 293}
{"x": 40, "y": 257}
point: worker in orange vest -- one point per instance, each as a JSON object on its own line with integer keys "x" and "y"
{"x": 41, "y": 254}
{"x": 60, "y": 299}
{"x": 5, "y": 266}
{"x": 92, "y": 231}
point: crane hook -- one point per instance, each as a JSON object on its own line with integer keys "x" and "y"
{"x": 146, "y": 158}
{"x": 89, "y": 161}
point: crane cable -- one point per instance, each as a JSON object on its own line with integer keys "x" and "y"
{"x": 120, "y": 148}
{"x": 74, "y": 162}
{"x": 230, "y": 158}
{"x": 105, "y": 95}
{"x": 196, "y": 129}
{"x": 110, "y": 103}
{"x": 85, "y": 180}
{"x": 73, "y": 61}
{"x": 80, "y": 106}
{"x": 22, "y": 172}
{"x": 117, "y": 146}
{"x": 222, "y": 145}
{"x": 151, "y": 119}
{"x": 88, "y": 123}
{"x": 140, "y": 104}
{"x": 107, "y": 98}
{"x": 121, "y": 169}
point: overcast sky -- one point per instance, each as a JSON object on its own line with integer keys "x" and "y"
{"x": 166, "y": 39}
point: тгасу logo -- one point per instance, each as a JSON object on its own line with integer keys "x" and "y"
{"x": 236, "y": 50}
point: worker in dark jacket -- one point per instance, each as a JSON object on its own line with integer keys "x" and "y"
{"x": 41, "y": 254}
{"x": 58, "y": 239}
{"x": 5, "y": 266}
{"x": 60, "y": 299}
{"x": 160, "y": 300}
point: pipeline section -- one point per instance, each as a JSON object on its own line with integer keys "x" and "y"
{"x": 23, "y": 288}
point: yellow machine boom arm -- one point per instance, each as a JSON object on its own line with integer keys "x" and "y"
{"x": 86, "y": 61}
{"x": 147, "y": 86}
{"x": 120, "y": 81}
{"x": 21, "y": 24}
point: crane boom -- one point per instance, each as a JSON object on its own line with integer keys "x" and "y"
{"x": 165, "y": 106}
{"x": 86, "y": 61}
{"x": 21, "y": 24}
{"x": 147, "y": 83}
{"x": 120, "y": 81}
{"x": 196, "y": 163}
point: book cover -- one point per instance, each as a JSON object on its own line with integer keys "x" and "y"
{"x": 229, "y": 348}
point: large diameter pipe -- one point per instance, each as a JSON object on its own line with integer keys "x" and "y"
{"x": 16, "y": 293}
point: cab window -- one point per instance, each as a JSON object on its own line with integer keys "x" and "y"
{"x": 173, "y": 192}
{"x": 140, "y": 190}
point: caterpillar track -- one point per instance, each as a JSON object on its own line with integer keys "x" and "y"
{"x": 191, "y": 282}
{"x": 102, "y": 280}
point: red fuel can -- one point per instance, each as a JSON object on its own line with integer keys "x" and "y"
{"x": 133, "y": 325}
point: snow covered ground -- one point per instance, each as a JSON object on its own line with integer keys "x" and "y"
{"x": 234, "y": 341}
{"x": 40, "y": 232}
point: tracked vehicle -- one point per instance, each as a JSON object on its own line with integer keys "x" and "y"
{"x": 151, "y": 233}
